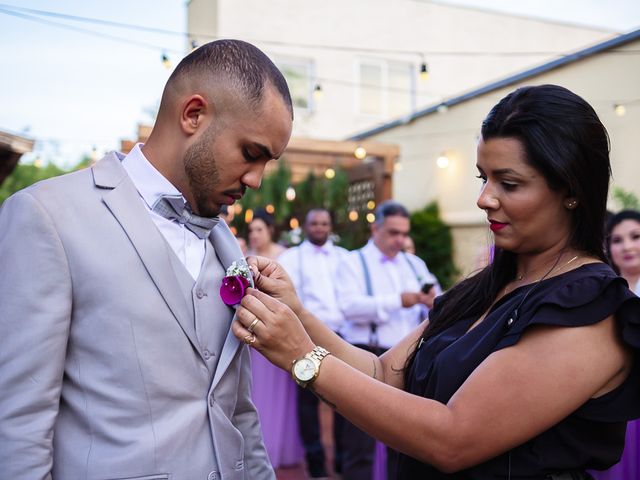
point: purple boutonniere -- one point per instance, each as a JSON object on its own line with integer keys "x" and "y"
{"x": 235, "y": 283}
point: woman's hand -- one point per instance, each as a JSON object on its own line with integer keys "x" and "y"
{"x": 272, "y": 279}
{"x": 272, "y": 328}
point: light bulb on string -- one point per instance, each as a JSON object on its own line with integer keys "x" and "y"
{"x": 294, "y": 223}
{"x": 353, "y": 215}
{"x": 371, "y": 217}
{"x": 290, "y": 194}
{"x": 329, "y": 173}
{"x": 619, "y": 109}
{"x": 317, "y": 91}
{"x": 270, "y": 209}
{"x": 248, "y": 215}
{"x": 360, "y": 152}
{"x": 424, "y": 70}
{"x": 166, "y": 61}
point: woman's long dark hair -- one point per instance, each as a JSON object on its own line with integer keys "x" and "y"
{"x": 563, "y": 139}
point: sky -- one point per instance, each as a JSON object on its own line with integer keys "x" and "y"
{"x": 81, "y": 87}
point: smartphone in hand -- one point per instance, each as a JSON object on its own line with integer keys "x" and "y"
{"x": 426, "y": 287}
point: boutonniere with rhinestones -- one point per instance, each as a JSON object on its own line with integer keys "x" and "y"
{"x": 235, "y": 283}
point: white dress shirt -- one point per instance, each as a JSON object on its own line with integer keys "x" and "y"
{"x": 314, "y": 272}
{"x": 151, "y": 185}
{"x": 389, "y": 279}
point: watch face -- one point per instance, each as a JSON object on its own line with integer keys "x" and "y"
{"x": 304, "y": 369}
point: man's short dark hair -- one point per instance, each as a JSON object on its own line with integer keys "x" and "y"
{"x": 313, "y": 211}
{"x": 243, "y": 65}
{"x": 390, "y": 208}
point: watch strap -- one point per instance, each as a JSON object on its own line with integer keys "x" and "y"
{"x": 318, "y": 353}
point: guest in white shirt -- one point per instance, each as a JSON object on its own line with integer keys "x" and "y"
{"x": 313, "y": 268}
{"x": 384, "y": 294}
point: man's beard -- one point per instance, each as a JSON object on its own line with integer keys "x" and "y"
{"x": 202, "y": 174}
{"x": 319, "y": 241}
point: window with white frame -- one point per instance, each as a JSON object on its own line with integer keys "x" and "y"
{"x": 385, "y": 88}
{"x": 300, "y": 78}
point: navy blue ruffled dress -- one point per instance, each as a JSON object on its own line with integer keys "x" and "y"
{"x": 592, "y": 437}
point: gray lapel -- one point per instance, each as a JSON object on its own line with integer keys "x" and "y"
{"x": 228, "y": 251}
{"x": 123, "y": 200}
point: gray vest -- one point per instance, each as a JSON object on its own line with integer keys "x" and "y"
{"x": 208, "y": 311}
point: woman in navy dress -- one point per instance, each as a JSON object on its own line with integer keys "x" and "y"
{"x": 527, "y": 369}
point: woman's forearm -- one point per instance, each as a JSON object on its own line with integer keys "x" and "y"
{"x": 413, "y": 425}
{"x": 366, "y": 362}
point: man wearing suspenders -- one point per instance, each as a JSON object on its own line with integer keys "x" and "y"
{"x": 380, "y": 291}
{"x": 313, "y": 268}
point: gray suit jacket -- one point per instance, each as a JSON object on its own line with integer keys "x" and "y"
{"x": 101, "y": 376}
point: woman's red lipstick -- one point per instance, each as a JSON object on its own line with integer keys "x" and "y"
{"x": 495, "y": 226}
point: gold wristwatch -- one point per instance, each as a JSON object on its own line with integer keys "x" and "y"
{"x": 305, "y": 370}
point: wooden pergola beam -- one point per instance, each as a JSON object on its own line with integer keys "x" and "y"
{"x": 339, "y": 147}
{"x": 15, "y": 143}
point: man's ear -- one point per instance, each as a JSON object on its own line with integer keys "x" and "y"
{"x": 192, "y": 114}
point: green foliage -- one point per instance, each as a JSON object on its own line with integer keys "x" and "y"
{"x": 312, "y": 192}
{"x": 626, "y": 200}
{"x": 27, "y": 174}
{"x": 434, "y": 243}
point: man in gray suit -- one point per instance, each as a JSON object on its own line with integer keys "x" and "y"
{"x": 116, "y": 356}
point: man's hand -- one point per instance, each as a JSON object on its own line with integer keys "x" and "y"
{"x": 428, "y": 298}
{"x": 409, "y": 299}
{"x": 271, "y": 279}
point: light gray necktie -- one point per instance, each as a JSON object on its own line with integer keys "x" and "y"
{"x": 173, "y": 207}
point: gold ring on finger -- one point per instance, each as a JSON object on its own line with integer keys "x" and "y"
{"x": 253, "y": 325}
{"x": 249, "y": 339}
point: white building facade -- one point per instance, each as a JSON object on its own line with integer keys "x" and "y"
{"x": 365, "y": 55}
